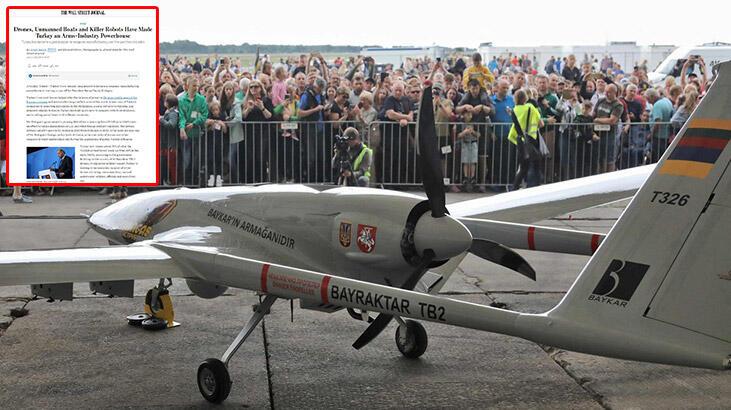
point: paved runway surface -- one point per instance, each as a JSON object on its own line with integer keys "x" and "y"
{"x": 82, "y": 354}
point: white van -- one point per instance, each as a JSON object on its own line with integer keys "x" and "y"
{"x": 712, "y": 55}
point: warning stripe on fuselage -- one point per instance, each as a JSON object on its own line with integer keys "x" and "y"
{"x": 699, "y": 148}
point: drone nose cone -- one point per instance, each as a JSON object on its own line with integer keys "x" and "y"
{"x": 446, "y": 236}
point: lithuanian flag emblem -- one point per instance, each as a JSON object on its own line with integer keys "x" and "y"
{"x": 699, "y": 148}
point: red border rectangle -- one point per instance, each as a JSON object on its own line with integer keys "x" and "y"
{"x": 7, "y": 91}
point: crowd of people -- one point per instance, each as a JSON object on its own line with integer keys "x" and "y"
{"x": 224, "y": 123}
{"x": 593, "y": 117}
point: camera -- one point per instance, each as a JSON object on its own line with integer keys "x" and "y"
{"x": 342, "y": 161}
{"x": 341, "y": 142}
{"x": 439, "y": 59}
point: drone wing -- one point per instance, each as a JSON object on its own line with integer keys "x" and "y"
{"x": 85, "y": 265}
{"x": 546, "y": 201}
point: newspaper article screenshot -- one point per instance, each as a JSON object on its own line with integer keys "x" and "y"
{"x": 81, "y": 97}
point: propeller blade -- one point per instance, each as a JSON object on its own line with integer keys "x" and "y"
{"x": 430, "y": 161}
{"x": 373, "y": 330}
{"x": 382, "y": 320}
{"x": 503, "y": 256}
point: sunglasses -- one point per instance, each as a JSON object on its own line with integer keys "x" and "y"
{"x": 255, "y": 86}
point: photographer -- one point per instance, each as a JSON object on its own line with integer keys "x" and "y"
{"x": 353, "y": 159}
{"x": 689, "y": 69}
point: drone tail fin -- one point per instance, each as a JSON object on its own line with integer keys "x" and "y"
{"x": 659, "y": 286}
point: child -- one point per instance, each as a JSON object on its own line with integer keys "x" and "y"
{"x": 215, "y": 130}
{"x": 637, "y": 148}
{"x": 279, "y": 87}
{"x": 587, "y": 141}
{"x": 469, "y": 138}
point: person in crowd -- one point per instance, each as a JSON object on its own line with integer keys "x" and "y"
{"x": 683, "y": 112}
{"x": 637, "y": 150}
{"x": 215, "y": 142}
{"x": 588, "y": 88}
{"x": 661, "y": 113}
{"x": 525, "y": 131}
{"x": 633, "y": 110}
{"x": 468, "y": 137}
{"x": 669, "y": 82}
{"x": 443, "y": 117}
{"x": 601, "y": 91}
{"x": 312, "y": 106}
{"x": 632, "y": 103}
{"x": 256, "y": 113}
{"x": 518, "y": 81}
{"x": 587, "y": 140}
{"x": 546, "y": 101}
{"x": 549, "y": 67}
{"x": 165, "y": 89}
{"x": 477, "y": 72}
{"x": 357, "y": 83}
{"x": 568, "y": 108}
{"x": 365, "y": 116}
{"x": 361, "y": 159}
{"x": 169, "y": 131}
{"x": 503, "y": 157}
{"x": 288, "y": 146}
{"x": 279, "y": 86}
{"x": 397, "y": 112}
{"x": 193, "y": 112}
{"x": 478, "y": 107}
{"x": 330, "y": 92}
{"x": 607, "y": 113}
{"x": 674, "y": 95}
{"x": 688, "y": 71}
{"x": 301, "y": 66}
{"x": 338, "y": 112}
{"x": 570, "y": 72}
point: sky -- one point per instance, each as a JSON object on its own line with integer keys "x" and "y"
{"x": 460, "y": 24}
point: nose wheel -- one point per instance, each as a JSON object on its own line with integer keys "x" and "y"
{"x": 214, "y": 381}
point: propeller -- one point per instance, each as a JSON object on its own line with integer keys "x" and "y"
{"x": 430, "y": 162}
{"x": 382, "y": 320}
{"x": 503, "y": 256}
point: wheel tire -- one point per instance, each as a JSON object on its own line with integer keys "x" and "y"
{"x": 137, "y": 319}
{"x": 214, "y": 382}
{"x": 416, "y": 340}
{"x": 154, "y": 323}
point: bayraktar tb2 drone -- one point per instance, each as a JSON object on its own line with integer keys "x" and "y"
{"x": 656, "y": 289}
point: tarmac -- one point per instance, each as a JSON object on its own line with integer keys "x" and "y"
{"x": 82, "y": 353}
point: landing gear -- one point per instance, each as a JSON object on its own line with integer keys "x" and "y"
{"x": 214, "y": 381}
{"x": 411, "y": 338}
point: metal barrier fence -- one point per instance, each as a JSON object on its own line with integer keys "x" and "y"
{"x": 477, "y": 154}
